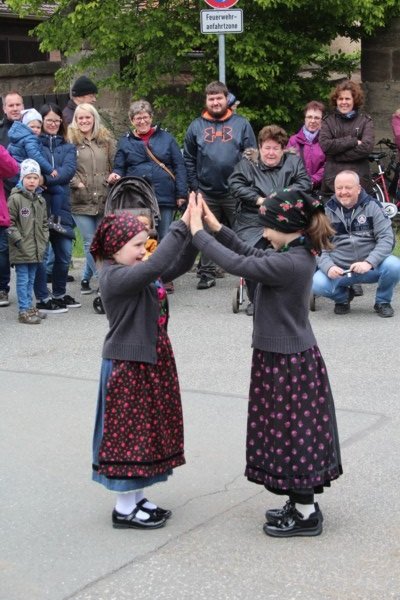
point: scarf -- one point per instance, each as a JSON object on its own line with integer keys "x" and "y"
{"x": 113, "y": 232}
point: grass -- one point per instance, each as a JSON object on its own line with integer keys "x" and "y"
{"x": 77, "y": 248}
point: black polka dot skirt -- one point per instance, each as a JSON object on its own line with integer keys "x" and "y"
{"x": 292, "y": 437}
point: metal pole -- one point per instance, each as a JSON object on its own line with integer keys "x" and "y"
{"x": 221, "y": 57}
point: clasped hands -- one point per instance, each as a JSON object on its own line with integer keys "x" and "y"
{"x": 357, "y": 267}
{"x": 197, "y": 214}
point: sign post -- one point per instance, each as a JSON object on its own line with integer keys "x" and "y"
{"x": 219, "y": 22}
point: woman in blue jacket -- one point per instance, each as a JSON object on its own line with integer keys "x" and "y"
{"x": 62, "y": 157}
{"x": 152, "y": 153}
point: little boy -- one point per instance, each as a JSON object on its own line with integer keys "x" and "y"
{"x": 28, "y": 237}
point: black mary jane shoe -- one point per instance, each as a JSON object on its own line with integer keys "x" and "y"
{"x": 131, "y": 521}
{"x": 158, "y": 511}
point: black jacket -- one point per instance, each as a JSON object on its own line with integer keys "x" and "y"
{"x": 5, "y": 125}
{"x": 339, "y": 138}
{"x": 252, "y": 178}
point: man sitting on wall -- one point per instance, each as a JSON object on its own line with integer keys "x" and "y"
{"x": 363, "y": 245}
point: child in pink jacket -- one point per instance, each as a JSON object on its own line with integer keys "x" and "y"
{"x": 8, "y": 168}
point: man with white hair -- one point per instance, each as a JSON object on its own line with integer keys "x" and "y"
{"x": 363, "y": 244}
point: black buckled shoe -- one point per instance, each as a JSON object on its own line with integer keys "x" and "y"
{"x": 131, "y": 521}
{"x": 160, "y": 512}
{"x": 274, "y": 515}
{"x": 293, "y": 524}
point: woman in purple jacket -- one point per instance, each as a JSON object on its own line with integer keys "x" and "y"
{"x": 306, "y": 142}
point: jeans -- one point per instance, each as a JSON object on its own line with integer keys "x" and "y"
{"x": 224, "y": 208}
{"x": 87, "y": 225}
{"x": 387, "y": 275}
{"x": 50, "y": 261}
{"x": 25, "y": 278}
{"x": 167, "y": 214}
{"x": 62, "y": 248}
{"x": 4, "y": 261}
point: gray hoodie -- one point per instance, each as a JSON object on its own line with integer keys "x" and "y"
{"x": 363, "y": 233}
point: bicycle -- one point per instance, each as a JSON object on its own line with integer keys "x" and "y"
{"x": 385, "y": 180}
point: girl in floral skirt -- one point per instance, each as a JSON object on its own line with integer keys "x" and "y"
{"x": 292, "y": 440}
{"x": 138, "y": 436}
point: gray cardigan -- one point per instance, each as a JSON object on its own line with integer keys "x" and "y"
{"x": 130, "y": 297}
{"x": 283, "y": 293}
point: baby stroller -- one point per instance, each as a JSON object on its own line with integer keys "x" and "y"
{"x": 135, "y": 195}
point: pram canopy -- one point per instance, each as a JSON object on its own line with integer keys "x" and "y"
{"x": 132, "y": 193}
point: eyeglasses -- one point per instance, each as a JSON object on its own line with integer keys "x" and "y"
{"x": 53, "y": 121}
{"x": 139, "y": 119}
{"x": 313, "y": 118}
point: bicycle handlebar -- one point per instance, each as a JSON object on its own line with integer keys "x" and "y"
{"x": 388, "y": 143}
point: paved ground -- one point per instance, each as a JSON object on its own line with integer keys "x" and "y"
{"x": 56, "y": 539}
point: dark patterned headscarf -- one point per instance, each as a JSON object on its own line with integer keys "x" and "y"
{"x": 113, "y": 232}
{"x": 288, "y": 210}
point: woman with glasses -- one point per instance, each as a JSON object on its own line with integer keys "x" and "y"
{"x": 62, "y": 157}
{"x": 95, "y": 147}
{"x": 151, "y": 152}
{"x": 347, "y": 137}
{"x": 306, "y": 142}
{"x": 261, "y": 172}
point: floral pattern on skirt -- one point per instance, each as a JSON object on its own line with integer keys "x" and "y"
{"x": 143, "y": 421}
{"x": 292, "y": 438}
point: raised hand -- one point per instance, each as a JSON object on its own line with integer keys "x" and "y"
{"x": 212, "y": 222}
{"x": 196, "y": 212}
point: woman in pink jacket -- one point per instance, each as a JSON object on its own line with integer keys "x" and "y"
{"x": 306, "y": 142}
{"x": 8, "y": 168}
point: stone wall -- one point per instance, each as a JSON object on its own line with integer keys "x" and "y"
{"x": 380, "y": 73}
{"x": 29, "y": 79}
{"x": 38, "y": 79}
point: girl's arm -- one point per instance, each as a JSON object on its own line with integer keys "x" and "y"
{"x": 183, "y": 261}
{"x": 255, "y": 264}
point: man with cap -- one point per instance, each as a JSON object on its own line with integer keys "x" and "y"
{"x": 83, "y": 90}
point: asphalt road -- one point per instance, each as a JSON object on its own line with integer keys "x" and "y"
{"x": 56, "y": 539}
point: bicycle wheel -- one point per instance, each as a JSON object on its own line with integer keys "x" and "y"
{"x": 377, "y": 191}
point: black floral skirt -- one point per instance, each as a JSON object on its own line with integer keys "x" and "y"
{"x": 292, "y": 437}
{"x": 139, "y": 422}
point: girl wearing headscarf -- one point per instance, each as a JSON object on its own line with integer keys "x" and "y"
{"x": 292, "y": 440}
{"x": 138, "y": 436}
